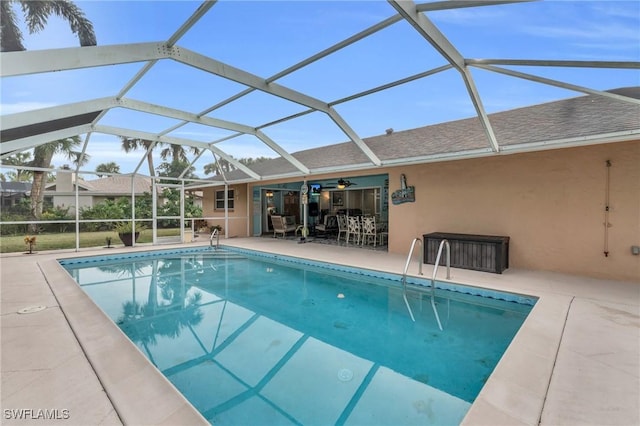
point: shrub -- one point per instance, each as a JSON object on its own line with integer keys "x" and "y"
{"x": 55, "y": 213}
{"x": 13, "y": 229}
{"x": 127, "y": 227}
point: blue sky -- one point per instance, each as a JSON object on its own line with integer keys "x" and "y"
{"x": 265, "y": 37}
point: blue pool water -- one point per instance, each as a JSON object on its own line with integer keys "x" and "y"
{"x": 251, "y": 338}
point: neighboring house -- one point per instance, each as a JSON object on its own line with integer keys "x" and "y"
{"x": 91, "y": 192}
{"x": 12, "y": 192}
{"x": 546, "y": 188}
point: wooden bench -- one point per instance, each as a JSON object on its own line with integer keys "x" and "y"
{"x": 487, "y": 253}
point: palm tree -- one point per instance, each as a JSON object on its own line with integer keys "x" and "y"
{"x": 42, "y": 156}
{"x": 19, "y": 159}
{"x": 36, "y": 14}
{"x": 223, "y": 166}
{"x": 175, "y": 152}
{"x": 133, "y": 144}
{"x": 218, "y": 167}
{"x": 178, "y": 153}
{"x": 110, "y": 167}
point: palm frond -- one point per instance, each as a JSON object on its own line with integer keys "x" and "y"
{"x": 10, "y": 34}
{"x": 37, "y": 13}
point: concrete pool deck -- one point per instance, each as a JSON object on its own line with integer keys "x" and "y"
{"x": 576, "y": 360}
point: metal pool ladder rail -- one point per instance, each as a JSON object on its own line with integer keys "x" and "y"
{"x": 443, "y": 243}
{"x": 404, "y": 275}
{"x": 433, "y": 283}
{"x": 217, "y": 235}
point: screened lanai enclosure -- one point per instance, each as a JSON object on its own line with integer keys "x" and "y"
{"x": 181, "y": 97}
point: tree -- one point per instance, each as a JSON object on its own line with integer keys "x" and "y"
{"x": 223, "y": 166}
{"x": 250, "y": 161}
{"x": 218, "y": 167}
{"x": 178, "y": 153}
{"x": 36, "y": 14}
{"x": 19, "y": 159}
{"x": 175, "y": 168}
{"x": 109, "y": 167}
{"x": 173, "y": 151}
{"x": 42, "y": 156}
{"x": 171, "y": 206}
{"x": 133, "y": 144}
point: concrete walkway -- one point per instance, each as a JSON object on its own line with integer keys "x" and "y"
{"x": 575, "y": 361}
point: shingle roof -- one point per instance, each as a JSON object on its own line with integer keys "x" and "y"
{"x": 119, "y": 184}
{"x": 579, "y": 117}
{"x": 15, "y": 187}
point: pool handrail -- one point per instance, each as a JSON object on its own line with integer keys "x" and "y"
{"x": 404, "y": 275}
{"x": 217, "y": 235}
{"x": 433, "y": 282}
{"x": 443, "y": 243}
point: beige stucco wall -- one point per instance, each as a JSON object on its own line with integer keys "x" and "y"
{"x": 69, "y": 200}
{"x": 237, "y": 224}
{"x": 551, "y": 204}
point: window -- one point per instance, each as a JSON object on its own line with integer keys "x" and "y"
{"x": 220, "y": 200}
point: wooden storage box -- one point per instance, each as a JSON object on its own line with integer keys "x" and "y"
{"x": 485, "y": 253}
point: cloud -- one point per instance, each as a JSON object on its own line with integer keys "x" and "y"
{"x": 590, "y": 31}
{"x": 471, "y": 16}
{"x": 23, "y": 106}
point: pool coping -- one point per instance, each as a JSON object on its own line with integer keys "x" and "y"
{"x": 117, "y": 361}
{"x": 514, "y": 394}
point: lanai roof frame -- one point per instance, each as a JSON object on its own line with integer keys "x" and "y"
{"x": 19, "y": 63}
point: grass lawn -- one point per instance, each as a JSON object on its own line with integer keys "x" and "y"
{"x": 12, "y": 244}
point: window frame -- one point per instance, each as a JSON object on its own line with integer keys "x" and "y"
{"x": 219, "y": 198}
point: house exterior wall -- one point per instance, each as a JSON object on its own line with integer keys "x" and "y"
{"x": 550, "y": 203}
{"x": 237, "y": 225}
{"x": 69, "y": 199}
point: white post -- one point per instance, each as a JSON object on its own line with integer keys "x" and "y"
{"x": 77, "y": 213}
{"x": 304, "y": 190}
{"x": 154, "y": 208}
{"x": 133, "y": 210}
{"x": 226, "y": 210}
{"x": 182, "y": 212}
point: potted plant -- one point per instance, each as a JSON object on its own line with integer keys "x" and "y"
{"x": 30, "y": 241}
{"x": 214, "y": 227}
{"x": 125, "y": 232}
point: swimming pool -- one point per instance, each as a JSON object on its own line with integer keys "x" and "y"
{"x": 248, "y": 336}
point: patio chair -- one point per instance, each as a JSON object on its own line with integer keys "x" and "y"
{"x": 383, "y": 232}
{"x": 369, "y": 230}
{"x": 282, "y": 225}
{"x": 329, "y": 225}
{"x": 342, "y": 227}
{"x": 353, "y": 229}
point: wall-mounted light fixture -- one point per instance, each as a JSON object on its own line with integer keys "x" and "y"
{"x": 269, "y": 193}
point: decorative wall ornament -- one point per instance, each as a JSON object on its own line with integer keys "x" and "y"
{"x": 406, "y": 194}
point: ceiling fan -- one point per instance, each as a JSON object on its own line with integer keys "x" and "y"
{"x": 341, "y": 184}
